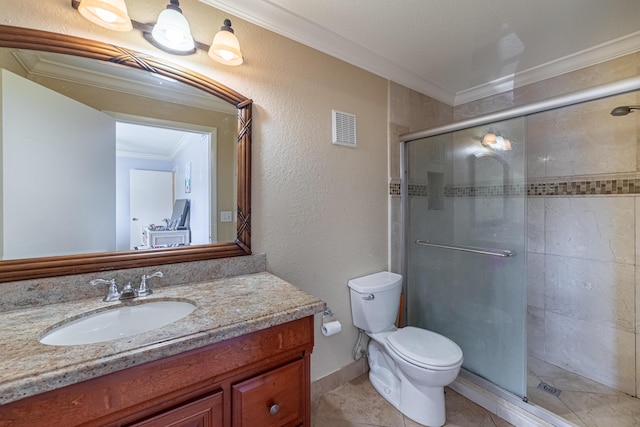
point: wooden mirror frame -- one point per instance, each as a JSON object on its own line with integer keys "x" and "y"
{"x": 32, "y": 268}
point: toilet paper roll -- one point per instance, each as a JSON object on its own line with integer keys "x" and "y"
{"x": 331, "y": 328}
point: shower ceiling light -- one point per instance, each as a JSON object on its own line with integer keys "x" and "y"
{"x": 624, "y": 110}
{"x": 488, "y": 139}
{"x": 111, "y": 14}
{"x": 495, "y": 141}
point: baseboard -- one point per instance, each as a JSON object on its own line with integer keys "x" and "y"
{"x": 334, "y": 380}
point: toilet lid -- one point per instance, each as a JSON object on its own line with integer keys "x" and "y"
{"x": 425, "y": 348}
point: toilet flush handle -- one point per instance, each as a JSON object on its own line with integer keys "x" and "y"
{"x": 369, "y": 297}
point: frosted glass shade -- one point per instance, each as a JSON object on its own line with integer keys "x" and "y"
{"x": 111, "y": 14}
{"x": 226, "y": 48}
{"x": 497, "y": 142}
{"x": 172, "y": 31}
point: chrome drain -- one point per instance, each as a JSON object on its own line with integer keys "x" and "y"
{"x": 549, "y": 389}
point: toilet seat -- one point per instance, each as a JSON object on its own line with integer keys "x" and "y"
{"x": 425, "y": 348}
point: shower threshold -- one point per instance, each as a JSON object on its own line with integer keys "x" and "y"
{"x": 504, "y": 404}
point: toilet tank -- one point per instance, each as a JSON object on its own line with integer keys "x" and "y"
{"x": 374, "y": 301}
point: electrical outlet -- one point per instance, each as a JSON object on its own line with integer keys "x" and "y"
{"x": 225, "y": 216}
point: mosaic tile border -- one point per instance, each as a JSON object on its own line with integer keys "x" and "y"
{"x": 513, "y": 190}
{"x": 543, "y": 188}
{"x": 585, "y": 187}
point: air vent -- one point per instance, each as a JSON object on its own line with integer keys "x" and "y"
{"x": 344, "y": 128}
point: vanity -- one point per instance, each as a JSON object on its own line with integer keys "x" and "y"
{"x": 241, "y": 358}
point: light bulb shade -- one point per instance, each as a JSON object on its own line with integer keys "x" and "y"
{"x": 503, "y": 144}
{"x": 111, "y": 14}
{"x": 172, "y": 31}
{"x": 226, "y": 48}
{"x": 489, "y": 139}
{"x": 495, "y": 141}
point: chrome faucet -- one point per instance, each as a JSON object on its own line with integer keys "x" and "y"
{"x": 113, "y": 294}
{"x": 144, "y": 290}
{"x": 128, "y": 292}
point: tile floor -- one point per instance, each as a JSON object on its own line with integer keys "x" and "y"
{"x": 583, "y": 402}
{"x": 358, "y": 404}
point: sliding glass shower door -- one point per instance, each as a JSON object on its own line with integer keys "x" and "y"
{"x": 466, "y": 246}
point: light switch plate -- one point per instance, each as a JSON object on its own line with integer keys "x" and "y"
{"x": 225, "y": 216}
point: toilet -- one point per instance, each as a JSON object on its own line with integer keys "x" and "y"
{"x": 408, "y": 366}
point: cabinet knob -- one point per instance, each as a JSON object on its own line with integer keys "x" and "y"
{"x": 274, "y": 409}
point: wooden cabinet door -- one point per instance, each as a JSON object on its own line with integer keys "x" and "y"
{"x": 273, "y": 399}
{"x": 204, "y": 412}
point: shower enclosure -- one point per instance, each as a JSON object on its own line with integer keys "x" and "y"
{"x": 517, "y": 244}
{"x": 467, "y": 247}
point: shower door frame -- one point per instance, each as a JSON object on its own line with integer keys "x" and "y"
{"x": 597, "y": 92}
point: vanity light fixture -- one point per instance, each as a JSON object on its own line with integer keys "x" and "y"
{"x": 495, "y": 141}
{"x": 171, "y": 33}
{"x": 111, "y": 14}
{"x": 225, "y": 47}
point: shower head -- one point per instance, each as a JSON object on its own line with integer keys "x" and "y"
{"x": 624, "y": 110}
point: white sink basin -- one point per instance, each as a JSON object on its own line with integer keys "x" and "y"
{"x": 118, "y": 322}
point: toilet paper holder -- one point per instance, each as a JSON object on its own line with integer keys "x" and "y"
{"x": 330, "y": 326}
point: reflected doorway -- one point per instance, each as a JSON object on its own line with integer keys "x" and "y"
{"x": 150, "y": 201}
{"x": 187, "y": 156}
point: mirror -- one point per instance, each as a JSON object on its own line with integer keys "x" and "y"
{"x": 199, "y": 90}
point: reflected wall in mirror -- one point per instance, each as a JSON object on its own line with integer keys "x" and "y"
{"x": 152, "y": 117}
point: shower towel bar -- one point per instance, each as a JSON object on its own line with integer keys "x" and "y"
{"x": 484, "y": 251}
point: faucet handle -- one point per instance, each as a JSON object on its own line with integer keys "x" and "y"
{"x": 113, "y": 294}
{"x": 144, "y": 290}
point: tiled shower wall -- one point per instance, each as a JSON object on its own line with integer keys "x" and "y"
{"x": 582, "y": 240}
{"x": 583, "y": 204}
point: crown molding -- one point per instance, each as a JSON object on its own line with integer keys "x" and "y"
{"x": 588, "y": 57}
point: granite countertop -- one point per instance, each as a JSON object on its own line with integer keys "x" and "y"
{"x": 226, "y": 308}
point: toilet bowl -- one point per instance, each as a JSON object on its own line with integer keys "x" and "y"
{"x": 408, "y": 366}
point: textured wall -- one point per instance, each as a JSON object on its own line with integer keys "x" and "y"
{"x": 319, "y": 211}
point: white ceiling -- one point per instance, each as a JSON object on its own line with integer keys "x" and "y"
{"x": 454, "y": 50}
{"x": 149, "y": 142}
